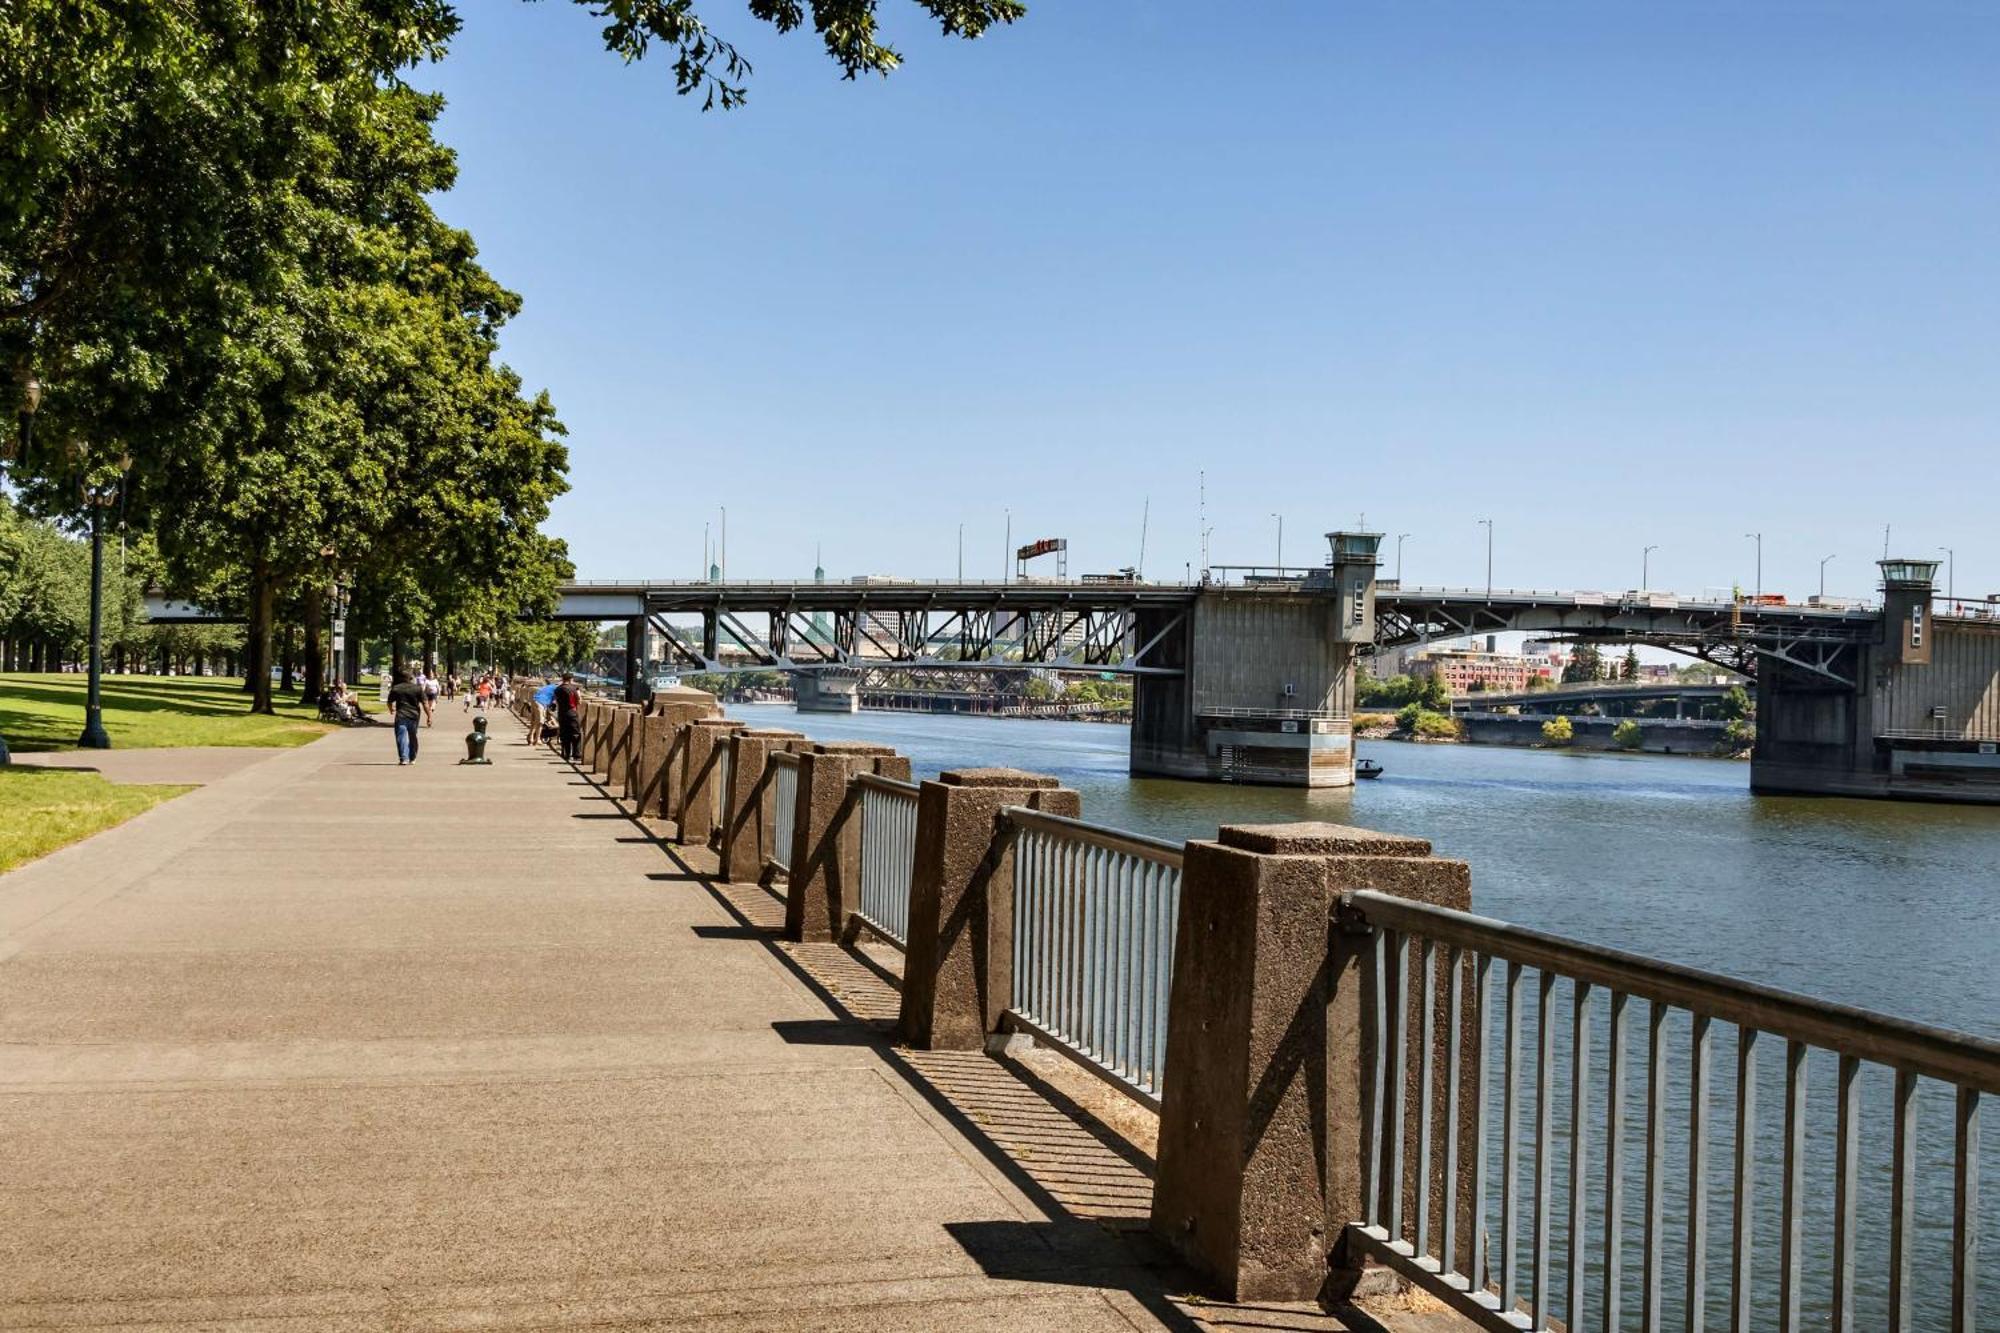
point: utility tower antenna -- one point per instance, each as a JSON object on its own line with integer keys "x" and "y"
{"x": 1145, "y": 517}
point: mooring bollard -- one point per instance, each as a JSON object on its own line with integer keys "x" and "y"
{"x": 475, "y": 741}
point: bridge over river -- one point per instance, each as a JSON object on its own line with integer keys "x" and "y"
{"x": 1253, "y": 682}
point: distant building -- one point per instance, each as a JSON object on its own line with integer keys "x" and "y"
{"x": 1467, "y": 671}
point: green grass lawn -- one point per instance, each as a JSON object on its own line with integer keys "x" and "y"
{"x": 42, "y": 809}
{"x": 45, "y": 712}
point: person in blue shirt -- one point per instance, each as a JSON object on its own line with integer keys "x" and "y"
{"x": 545, "y": 697}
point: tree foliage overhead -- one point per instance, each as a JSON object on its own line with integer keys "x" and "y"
{"x": 219, "y": 265}
{"x": 712, "y": 66}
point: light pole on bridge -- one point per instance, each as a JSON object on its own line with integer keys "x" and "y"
{"x": 1646, "y": 567}
{"x": 1281, "y": 541}
{"x": 1758, "y": 537}
{"x": 1950, "y": 568}
{"x": 1400, "y": 537}
{"x": 1822, "y": 576}
{"x": 1007, "y": 551}
{"x": 1487, "y": 523}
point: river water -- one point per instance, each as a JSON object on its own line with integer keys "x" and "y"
{"x": 1888, "y": 906}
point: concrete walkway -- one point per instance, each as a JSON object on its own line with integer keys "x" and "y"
{"x": 330, "y": 1044}
{"x": 198, "y": 764}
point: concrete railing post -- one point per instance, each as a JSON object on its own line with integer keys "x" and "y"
{"x": 656, "y": 734}
{"x": 1261, "y": 1146}
{"x": 747, "y": 816}
{"x": 824, "y": 882}
{"x": 621, "y": 734}
{"x": 958, "y": 966}
{"x": 698, "y": 795}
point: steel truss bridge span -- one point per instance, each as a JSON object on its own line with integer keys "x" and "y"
{"x": 1079, "y": 626}
{"x": 740, "y": 628}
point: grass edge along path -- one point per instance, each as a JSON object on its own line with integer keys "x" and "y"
{"x": 45, "y": 712}
{"x": 44, "y": 809}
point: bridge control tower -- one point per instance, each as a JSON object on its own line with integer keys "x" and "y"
{"x": 1267, "y": 676}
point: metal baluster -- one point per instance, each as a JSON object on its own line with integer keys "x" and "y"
{"x": 1697, "y": 1226}
{"x": 1128, "y": 996}
{"x": 1454, "y": 1047}
{"x": 1742, "y": 1230}
{"x": 1544, "y": 1053}
{"x": 1791, "y": 1228}
{"x": 1024, "y": 924}
{"x": 1614, "y": 1166}
{"x": 1846, "y": 1160}
{"x": 1510, "y": 1152}
{"x": 1656, "y": 1165}
{"x": 1965, "y": 1215}
{"x": 1374, "y": 986}
{"x": 1902, "y": 1202}
{"x": 1482, "y": 977}
{"x": 1579, "y": 1147}
{"x": 1099, "y": 954}
{"x": 1159, "y": 965}
{"x": 1426, "y": 1077}
{"x": 1399, "y": 1074}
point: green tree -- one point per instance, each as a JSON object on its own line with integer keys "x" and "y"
{"x": 1628, "y": 735}
{"x": 1558, "y": 731}
{"x": 1629, "y": 668}
{"x": 1586, "y": 664}
{"x": 1737, "y": 705}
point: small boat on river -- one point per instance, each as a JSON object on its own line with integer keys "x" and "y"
{"x": 1367, "y": 768}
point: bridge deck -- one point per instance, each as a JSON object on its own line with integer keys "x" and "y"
{"x": 333, "y": 1044}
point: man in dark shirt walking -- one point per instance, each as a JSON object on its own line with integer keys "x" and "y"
{"x": 407, "y": 701}
{"x": 569, "y": 717}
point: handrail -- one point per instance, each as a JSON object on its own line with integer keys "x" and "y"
{"x": 1157, "y": 850}
{"x": 1919, "y": 1048}
{"x": 890, "y": 786}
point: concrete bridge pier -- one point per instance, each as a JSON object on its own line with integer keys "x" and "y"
{"x": 1266, "y": 679}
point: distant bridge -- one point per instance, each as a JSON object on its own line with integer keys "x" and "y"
{"x": 1610, "y": 698}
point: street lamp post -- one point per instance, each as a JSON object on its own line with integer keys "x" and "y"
{"x": 1646, "y": 567}
{"x": 1281, "y": 541}
{"x": 723, "y": 543}
{"x": 1007, "y": 551}
{"x": 1758, "y": 537}
{"x": 1822, "y": 576}
{"x": 1950, "y": 570}
{"x": 1487, "y": 523}
{"x": 1400, "y": 537}
{"x": 98, "y": 497}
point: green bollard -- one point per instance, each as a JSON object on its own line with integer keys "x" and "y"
{"x": 475, "y": 741}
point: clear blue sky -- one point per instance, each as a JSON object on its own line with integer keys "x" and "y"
{"x": 1608, "y": 273}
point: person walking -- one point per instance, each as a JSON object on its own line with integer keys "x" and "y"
{"x": 406, "y": 699}
{"x": 569, "y": 717}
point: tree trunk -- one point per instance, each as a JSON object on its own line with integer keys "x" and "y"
{"x": 314, "y": 666}
{"x": 257, "y": 639}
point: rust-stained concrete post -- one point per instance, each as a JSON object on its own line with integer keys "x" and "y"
{"x": 656, "y": 734}
{"x": 1260, "y": 1148}
{"x": 824, "y": 880}
{"x": 623, "y": 732}
{"x": 698, "y": 803}
{"x": 958, "y": 966}
{"x": 747, "y": 813}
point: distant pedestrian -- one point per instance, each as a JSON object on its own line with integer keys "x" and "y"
{"x": 569, "y": 717}
{"x": 544, "y": 699}
{"x": 406, "y": 698}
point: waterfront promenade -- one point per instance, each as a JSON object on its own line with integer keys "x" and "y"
{"x": 330, "y": 1044}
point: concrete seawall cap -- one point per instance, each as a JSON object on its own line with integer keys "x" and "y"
{"x": 1319, "y": 840}
{"x": 996, "y": 777}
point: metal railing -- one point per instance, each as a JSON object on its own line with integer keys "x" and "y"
{"x": 783, "y": 775}
{"x": 888, "y": 811}
{"x": 1094, "y": 917}
{"x": 1581, "y": 1217}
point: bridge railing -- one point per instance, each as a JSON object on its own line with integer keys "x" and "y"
{"x": 1561, "y": 1174}
{"x": 1095, "y": 913}
{"x": 784, "y": 778}
{"x": 888, "y": 809}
